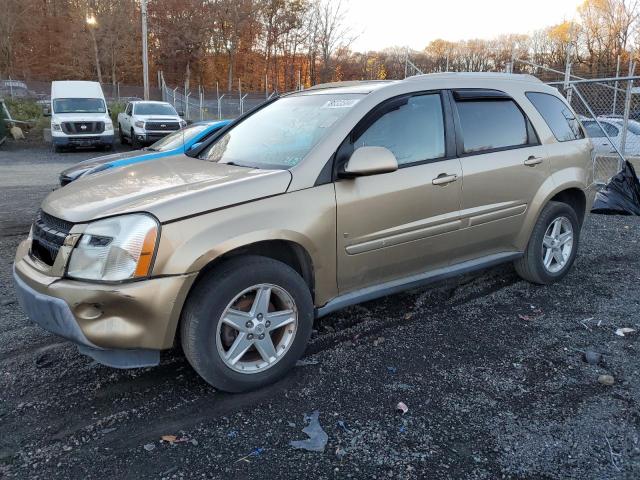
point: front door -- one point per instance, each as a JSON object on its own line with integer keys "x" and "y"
{"x": 396, "y": 224}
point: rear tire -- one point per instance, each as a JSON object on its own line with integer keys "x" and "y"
{"x": 550, "y": 254}
{"x": 223, "y": 327}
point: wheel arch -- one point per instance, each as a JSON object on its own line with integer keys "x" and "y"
{"x": 571, "y": 192}
{"x": 288, "y": 252}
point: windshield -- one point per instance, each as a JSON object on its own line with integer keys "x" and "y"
{"x": 177, "y": 139}
{"x": 281, "y": 134}
{"x": 79, "y": 105}
{"x": 154, "y": 109}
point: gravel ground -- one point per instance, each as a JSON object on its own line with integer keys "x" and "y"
{"x": 489, "y": 366}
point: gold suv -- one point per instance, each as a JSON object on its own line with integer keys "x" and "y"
{"x": 316, "y": 200}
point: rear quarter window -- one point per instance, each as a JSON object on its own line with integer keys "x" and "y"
{"x": 560, "y": 119}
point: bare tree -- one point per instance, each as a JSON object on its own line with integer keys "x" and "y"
{"x": 333, "y": 33}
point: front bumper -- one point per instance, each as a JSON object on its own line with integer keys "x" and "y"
{"x": 82, "y": 141}
{"x": 121, "y": 325}
{"x": 151, "y": 137}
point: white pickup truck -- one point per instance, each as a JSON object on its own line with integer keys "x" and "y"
{"x": 145, "y": 122}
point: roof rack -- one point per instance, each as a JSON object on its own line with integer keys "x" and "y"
{"x": 346, "y": 83}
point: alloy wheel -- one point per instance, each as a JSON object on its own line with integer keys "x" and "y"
{"x": 257, "y": 328}
{"x": 557, "y": 244}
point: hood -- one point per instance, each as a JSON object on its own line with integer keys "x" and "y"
{"x": 169, "y": 188}
{"x": 81, "y": 167}
{"x": 159, "y": 118}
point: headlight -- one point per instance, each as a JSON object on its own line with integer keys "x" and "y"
{"x": 139, "y": 124}
{"x": 108, "y": 126}
{"x": 56, "y": 127}
{"x": 183, "y": 123}
{"x": 114, "y": 249}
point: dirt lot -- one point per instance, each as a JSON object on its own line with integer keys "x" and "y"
{"x": 490, "y": 367}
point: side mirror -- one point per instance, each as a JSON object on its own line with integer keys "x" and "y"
{"x": 109, "y": 111}
{"x": 370, "y": 161}
{"x": 195, "y": 145}
{"x": 181, "y": 114}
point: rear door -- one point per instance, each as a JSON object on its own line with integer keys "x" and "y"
{"x": 503, "y": 166}
{"x": 396, "y": 224}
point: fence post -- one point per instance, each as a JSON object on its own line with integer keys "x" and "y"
{"x": 242, "y": 103}
{"x": 10, "y": 88}
{"x": 174, "y": 96}
{"x": 567, "y": 79}
{"x": 240, "y": 94}
{"x": 186, "y": 106}
{"x": 201, "y": 103}
{"x": 220, "y": 107}
{"x": 627, "y": 108}
{"x": 118, "y": 90}
{"x": 615, "y": 89}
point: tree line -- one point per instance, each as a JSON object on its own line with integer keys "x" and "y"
{"x": 267, "y": 45}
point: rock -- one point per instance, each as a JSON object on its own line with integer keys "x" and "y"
{"x": 592, "y": 358}
{"x": 5, "y": 303}
{"x": 149, "y": 446}
{"x": 606, "y": 380}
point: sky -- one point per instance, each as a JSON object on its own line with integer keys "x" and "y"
{"x": 414, "y": 23}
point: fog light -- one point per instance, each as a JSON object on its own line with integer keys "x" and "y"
{"x": 88, "y": 312}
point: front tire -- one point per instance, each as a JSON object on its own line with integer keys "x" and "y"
{"x": 552, "y": 246}
{"x": 246, "y": 323}
{"x": 135, "y": 143}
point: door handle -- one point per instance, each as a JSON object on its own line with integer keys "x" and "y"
{"x": 444, "y": 179}
{"x": 533, "y": 161}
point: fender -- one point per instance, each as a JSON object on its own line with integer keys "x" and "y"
{"x": 572, "y": 177}
{"x": 187, "y": 246}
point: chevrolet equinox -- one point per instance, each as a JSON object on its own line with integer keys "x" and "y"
{"x": 315, "y": 201}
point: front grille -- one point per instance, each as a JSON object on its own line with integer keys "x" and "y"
{"x": 75, "y": 128}
{"x": 162, "y": 126}
{"x": 48, "y": 236}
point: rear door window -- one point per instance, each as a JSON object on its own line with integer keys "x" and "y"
{"x": 491, "y": 125}
{"x": 560, "y": 119}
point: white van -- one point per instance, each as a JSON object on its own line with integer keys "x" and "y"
{"x": 79, "y": 115}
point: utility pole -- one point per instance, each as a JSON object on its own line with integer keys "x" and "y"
{"x": 145, "y": 58}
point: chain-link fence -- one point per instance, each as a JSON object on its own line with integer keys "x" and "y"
{"x": 202, "y": 105}
{"x": 609, "y": 109}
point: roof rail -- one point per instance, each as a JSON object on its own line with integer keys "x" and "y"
{"x": 346, "y": 83}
